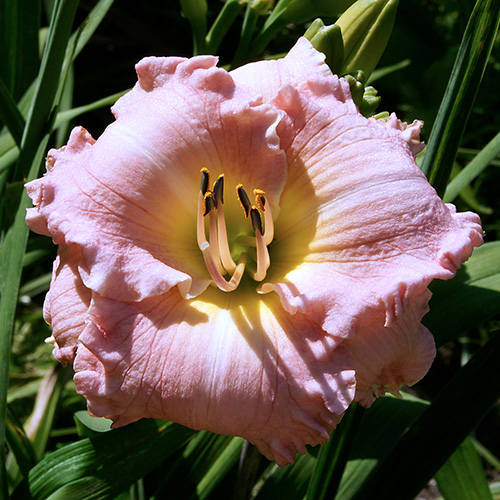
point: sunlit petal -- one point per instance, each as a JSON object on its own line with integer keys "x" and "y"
{"x": 238, "y": 366}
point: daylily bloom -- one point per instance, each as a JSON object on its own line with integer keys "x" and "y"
{"x": 244, "y": 252}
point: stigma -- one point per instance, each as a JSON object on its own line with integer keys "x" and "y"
{"x": 216, "y": 249}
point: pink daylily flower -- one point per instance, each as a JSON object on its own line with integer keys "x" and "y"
{"x": 188, "y": 301}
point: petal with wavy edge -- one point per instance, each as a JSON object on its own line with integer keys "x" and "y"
{"x": 364, "y": 231}
{"x": 236, "y": 364}
{"x": 386, "y": 358}
{"x": 298, "y": 66}
{"x": 129, "y": 199}
{"x": 66, "y": 303}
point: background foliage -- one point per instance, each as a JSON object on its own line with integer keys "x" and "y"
{"x": 65, "y": 62}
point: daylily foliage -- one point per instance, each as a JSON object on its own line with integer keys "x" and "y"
{"x": 172, "y": 302}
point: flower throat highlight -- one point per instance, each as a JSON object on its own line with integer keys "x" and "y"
{"x": 216, "y": 251}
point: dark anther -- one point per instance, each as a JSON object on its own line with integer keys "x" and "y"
{"x": 219, "y": 190}
{"x": 244, "y": 200}
{"x": 260, "y": 199}
{"x": 256, "y": 220}
{"x": 205, "y": 178}
{"x": 209, "y": 202}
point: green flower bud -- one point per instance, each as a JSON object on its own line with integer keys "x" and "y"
{"x": 327, "y": 39}
{"x": 365, "y": 98}
{"x": 366, "y": 27}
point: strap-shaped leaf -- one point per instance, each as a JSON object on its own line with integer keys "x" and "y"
{"x": 471, "y": 297}
{"x": 106, "y": 464}
{"x": 438, "y": 432}
{"x": 473, "y": 169}
{"x": 462, "y": 475}
{"x": 460, "y": 93}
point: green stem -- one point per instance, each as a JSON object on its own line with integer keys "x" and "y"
{"x": 247, "y": 31}
{"x": 221, "y": 25}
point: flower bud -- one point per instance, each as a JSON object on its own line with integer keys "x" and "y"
{"x": 366, "y": 27}
{"x": 327, "y": 39}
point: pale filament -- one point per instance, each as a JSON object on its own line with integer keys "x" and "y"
{"x": 216, "y": 251}
{"x": 263, "y": 260}
{"x": 214, "y": 243}
{"x": 225, "y": 254}
{"x": 218, "y": 279}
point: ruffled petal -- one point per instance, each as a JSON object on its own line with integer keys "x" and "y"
{"x": 364, "y": 231}
{"x": 267, "y": 77}
{"x": 386, "y": 358}
{"x": 66, "y": 304}
{"x": 129, "y": 199}
{"x": 234, "y": 365}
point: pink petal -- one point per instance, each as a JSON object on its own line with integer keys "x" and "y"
{"x": 129, "y": 199}
{"x": 234, "y": 364}
{"x": 387, "y": 358}
{"x": 67, "y": 303}
{"x": 365, "y": 233}
{"x": 268, "y": 77}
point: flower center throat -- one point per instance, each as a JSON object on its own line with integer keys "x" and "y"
{"x": 215, "y": 249}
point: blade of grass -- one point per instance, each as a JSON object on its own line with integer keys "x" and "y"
{"x": 438, "y": 432}
{"x": 473, "y": 169}
{"x": 460, "y": 93}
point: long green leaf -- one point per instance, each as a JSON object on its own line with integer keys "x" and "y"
{"x": 219, "y": 469}
{"x": 460, "y": 93}
{"x": 19, "y": 26}
{"x": 462, "y": 475}
{"x": 42, "y": 107}
{"x": 471, "y": 297}
{"x": 32, "y": 151}
{"x": 11, "y": 261}
{"x": 101, "y": 467}
{"x": 19, "y": 444}
{"x": 333, "y": 456}
{"x": 383, "y": 425}
{"x": 10, "y": 115}
{"x": 473, "y": 169}
{"x": 431, "y": 440}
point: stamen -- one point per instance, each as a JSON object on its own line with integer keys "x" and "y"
{"x": 213, "y": 233}
{"x": 209, "y": 202}
{"x": 225, "y": 253}
{"x": 205, "y": 178}
{"x": 260, "y": 201}
{"x": 256, "y": 220}
{"x": 200, "y": 221}
{"x": 244, "y": 200}
{"x": 219, "y": 191}
{"x": 225, "y": 286}
{"x": 263, "y": 260}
